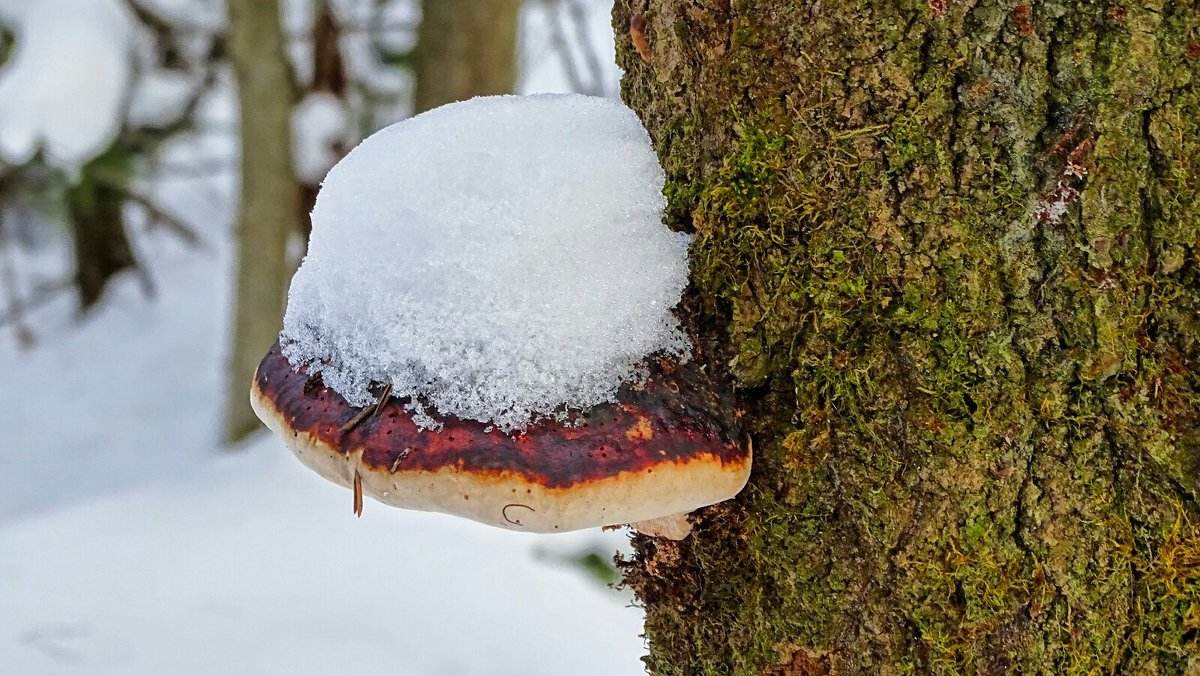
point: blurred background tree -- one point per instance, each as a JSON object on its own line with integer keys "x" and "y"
{"x": 266, "y": 212}
{"x": 89, "y": 179}
{"x": 120, "y": 175}
{"x": 465, "y": 48}
{"x": 75, "y": 166}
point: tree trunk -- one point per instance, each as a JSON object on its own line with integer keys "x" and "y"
{"x": 95, "y": 211}
{"x": 329, "y": 77}
{"x": 465, "y": 48}
{"x": 266, "y": 215}
{"x": 950, "y": 254}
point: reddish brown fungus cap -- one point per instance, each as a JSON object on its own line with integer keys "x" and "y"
{"x": 669, "y": 446}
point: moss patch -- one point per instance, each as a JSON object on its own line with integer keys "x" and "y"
{"x": 953, "y": 263}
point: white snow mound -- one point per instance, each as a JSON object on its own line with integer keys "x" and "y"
{"x": 501, "y": 259}
{"x": 65, "y": 86}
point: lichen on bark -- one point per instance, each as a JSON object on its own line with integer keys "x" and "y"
{"x": 950, "y": 254}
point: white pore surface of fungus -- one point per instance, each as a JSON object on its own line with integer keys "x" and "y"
{"x": 501, "y": 259}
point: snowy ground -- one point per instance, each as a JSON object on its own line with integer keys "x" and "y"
{"x": 131, "y": 542}
{"x": 255, "y": 568}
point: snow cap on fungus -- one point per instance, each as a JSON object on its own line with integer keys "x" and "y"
{"x": 483, "y": 325}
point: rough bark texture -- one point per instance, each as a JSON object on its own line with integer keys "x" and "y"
{"x": 950, "y": 252}
{"x": 465, "y": 48}
{"x": 267, "y": 211}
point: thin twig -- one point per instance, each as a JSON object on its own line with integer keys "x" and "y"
{"x": 558, "y": 43}
{"x": 149, "y": 290}
{"x": 204, "y": 168}
{"x": 504, "y": 512}
{"x": 587, "y": 49}
{"x": 15, "y": 310}
{"x": 399, "y": 459}
{"x": 383, "y": 397}
{"x": 173, "y": 26}
{"x": 353, "y": 422}
{"x": 358, "y": 496}
{"x": 368, "y": 412}
{"x": 42, "y": 293}
{"x": 157, "y": 214}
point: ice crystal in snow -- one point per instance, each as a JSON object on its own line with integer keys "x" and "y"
{"x": 500, "y": 259}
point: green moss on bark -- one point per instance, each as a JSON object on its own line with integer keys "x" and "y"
{"x": 951, "y": 255}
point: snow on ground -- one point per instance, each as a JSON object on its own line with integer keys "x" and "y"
{"x": 128, "y": 395}
{"x": 255, "y": 566}
{"x": 131, "y": 543}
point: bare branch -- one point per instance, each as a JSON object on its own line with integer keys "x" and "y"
{"x": 15, "y": 309}
{"x": 157, "y": 215}
{"x": 42, "y": 294}
{"x": 587, "y": 49}
{"x": 564, "y": 15}
{"x": 207, "y": 167}
{"x": 559, "y": 44}
{"x": 164, "y": 28}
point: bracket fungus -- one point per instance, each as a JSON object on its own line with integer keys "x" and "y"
{"x": 483, "y": 327}
{"x": 659, "y": 452}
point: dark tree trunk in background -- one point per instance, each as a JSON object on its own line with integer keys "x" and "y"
{"x": 329, "y": 77}
{"x": 950, "y": 252}
{"x": 267, "y": 210}
{"x": 97, "y": 221}
{"x": 465, "y": 48}
{"x": 98, "y": 232}
{"x": 329, "y": 67}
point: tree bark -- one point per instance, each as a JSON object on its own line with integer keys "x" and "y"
{"x": 266, "y": 214}
{"x": 465, "y": 48}
{"x": 950, "y": 254}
